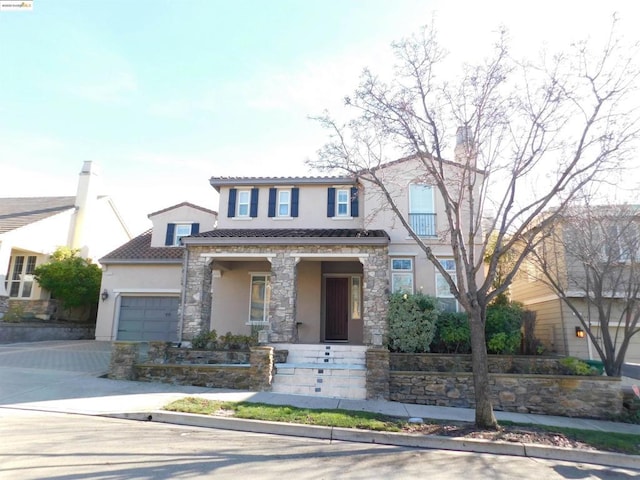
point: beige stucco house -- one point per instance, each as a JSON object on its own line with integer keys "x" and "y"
{"x": 142, "y": 279}
{"x": 31, "y": 228}
{"x": 557, "y": 326}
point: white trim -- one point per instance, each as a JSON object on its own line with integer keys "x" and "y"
{"x": 268, "y": 256}
{"x": 335, "y": 255}
{"x": 147, "y": 290}
{"x": 342, "y": 218}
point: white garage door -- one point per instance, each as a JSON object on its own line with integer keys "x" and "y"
{"x": 148, "y": 318}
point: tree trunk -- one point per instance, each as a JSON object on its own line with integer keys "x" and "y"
{"x": 484, "y": 408}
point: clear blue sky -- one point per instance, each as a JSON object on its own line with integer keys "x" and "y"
{"x": 164, "y": 94}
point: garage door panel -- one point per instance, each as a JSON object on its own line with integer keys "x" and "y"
{"x": 148, "y": 318}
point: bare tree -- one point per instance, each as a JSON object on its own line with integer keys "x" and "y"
{"x": 529, "y": 136}
{"x": 591, "y": 260}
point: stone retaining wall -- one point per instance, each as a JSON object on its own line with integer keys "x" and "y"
{"x": 570, "y": 396}
{"x": 436, "y": 362}
{"x": 39, "y": 332}
{"x": 252, "y": 370}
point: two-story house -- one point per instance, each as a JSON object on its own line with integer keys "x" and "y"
{"x": 142, "y": 279}
{"x": 31, "y": 228}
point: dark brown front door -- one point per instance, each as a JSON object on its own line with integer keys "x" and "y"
{"x": 337, "y": 309}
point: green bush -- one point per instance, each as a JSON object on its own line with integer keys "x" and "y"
{"x": 205, "y": 340}
{"x": 452, "y": 333}
{"x": 502, "y": 329}
{"x": 574, "y": 366}
{"x": 412, "y": 322}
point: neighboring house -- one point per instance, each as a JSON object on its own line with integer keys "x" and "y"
{"x": 311, "y": 260}
{"x": 142, "y": 279}
{"x": 577, "y": 240}
{"x": 31, "y": 228}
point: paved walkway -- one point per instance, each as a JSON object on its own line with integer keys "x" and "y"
{"x": 65, "y": 377}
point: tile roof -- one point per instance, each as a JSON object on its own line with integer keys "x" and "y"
{"x": 17, "y": 212}
{"x": 140, "y": 249}
{"x": 292, "y": 233}
{"x": 218, "y": 182}
{"x": 183, "y": 204}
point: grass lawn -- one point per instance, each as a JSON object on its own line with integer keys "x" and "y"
{"x": 608, "y": 441}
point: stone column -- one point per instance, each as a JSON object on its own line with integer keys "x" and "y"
{"x": 261, "y": 360}
{"x": 282, "y": 308}
{"x": 377, "y": 374}
{"x": 375, "y": 294}
{"x": 196, "y": 310}
{"x": 124, "y": 356}
{"x": 5, "y": 258}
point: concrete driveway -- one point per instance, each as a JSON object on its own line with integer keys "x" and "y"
{"x": 64, "y": 376}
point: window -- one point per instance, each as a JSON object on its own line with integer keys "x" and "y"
{"x": 342, "y": 203}
{"x": 244, "y": 197}
{"x": 259, "y": 298}
{"x": 446, "y": 300}
{"x": 402, "y": 275}
{"x": 284, "y": 203}
{"x": 422, "y": 217}
{"x": 175, "y": 231}
{"x": 20, "y": 277}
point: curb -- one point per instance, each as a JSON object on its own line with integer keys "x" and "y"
{"x": 412, "y": 440}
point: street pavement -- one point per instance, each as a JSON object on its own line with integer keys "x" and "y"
{"x": 67, "y": 377}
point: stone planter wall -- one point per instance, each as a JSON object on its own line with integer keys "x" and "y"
{"x": 436, "y": 362}
{"x": 569, "y": 396}
{"x": 244, "y": 370}
{"x": 40, "y": 331}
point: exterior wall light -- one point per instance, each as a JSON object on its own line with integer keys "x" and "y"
{"x": 104, "y": 295}
{"x": 580, "y": 333}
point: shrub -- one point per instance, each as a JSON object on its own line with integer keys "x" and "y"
{"x": 503, "y": 328}
{"x": 452, "y": 333}
{"x": 574, "y": 366}
{"x": 412, "y": 322}
{"x": 205, "y": 340}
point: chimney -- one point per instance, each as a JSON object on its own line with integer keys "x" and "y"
{"x": 86, "y": 198}
{"x": 464, "y": 151}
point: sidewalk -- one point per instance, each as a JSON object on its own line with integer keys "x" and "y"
{"x": 54, "y": 381}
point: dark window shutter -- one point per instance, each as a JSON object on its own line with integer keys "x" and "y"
{"x": 272, "y": 202}
{"x": 171, "y": 228}
{"x": 354, "y": 202}
{"x": 331, "y": 202}
{"x": 253, "y": 213}
{"x": 195, "y": 228}
{"x": 294, "y": 201}
{"x": 231, "y": 210}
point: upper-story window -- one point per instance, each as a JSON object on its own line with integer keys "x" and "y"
{"x": 342, "y": 202}
{"x": 283, "y": 202}
{"x": 243, "y": 203}
{"x": 402, "y": 275}
{"x": 422, "y": 215}
{"x": 244, "y": 197}
{"x": 175, "y": 231}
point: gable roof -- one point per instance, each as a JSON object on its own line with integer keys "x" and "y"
{"x": 139, "y": 250}
{"x": 288, "y": 236}
{"x": 217, "y": 182}
{"x": 17, "y": 212}
{"x": 183, "y": 204}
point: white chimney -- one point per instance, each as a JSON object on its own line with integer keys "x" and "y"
{"x": 86, "y": 198}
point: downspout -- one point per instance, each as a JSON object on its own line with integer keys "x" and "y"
{"x": 565, "y": 342}
{"x": 183, "y": 299}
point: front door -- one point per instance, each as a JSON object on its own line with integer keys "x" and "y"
{"x": 337, "y": 309}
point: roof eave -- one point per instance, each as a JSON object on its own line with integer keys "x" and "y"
{"x": 111, "y": 261}
{"x": 203, "y": 241}
{"x": 258, "y": 181}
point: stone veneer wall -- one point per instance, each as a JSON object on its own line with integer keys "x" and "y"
{"x": 4, "y": 305}
{"x": 377, "y": 360}
{"x": 570, "y": 396}
{"x": 44, "y": 331}
{"x": 196, "y": 311}
{"x": 226, "y": 372}
{"x": 432, "y": 362}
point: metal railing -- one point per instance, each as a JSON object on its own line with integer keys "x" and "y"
{"x": 423, "y": 224}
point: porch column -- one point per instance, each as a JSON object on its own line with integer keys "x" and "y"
{"x": 282, "y": 308}
{"x": 375, "y": 292}
{"x": 196, "y": 301}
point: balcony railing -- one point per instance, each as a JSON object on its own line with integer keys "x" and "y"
{"x": 423, "y": 224}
